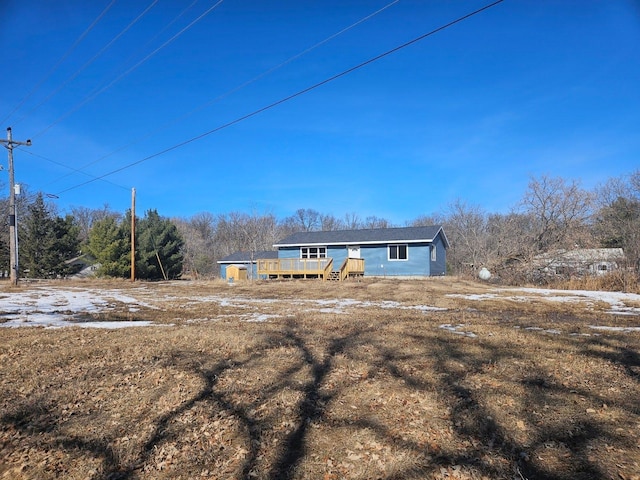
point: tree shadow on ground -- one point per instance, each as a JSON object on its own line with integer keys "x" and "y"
{"x": 452, "y": 362}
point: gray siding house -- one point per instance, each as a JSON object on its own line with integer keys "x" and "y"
{"x": 582, "y": 261}
{"x": 387, "y": 252}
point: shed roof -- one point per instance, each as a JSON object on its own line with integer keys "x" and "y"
{"x": 583, "y": 255}
{"x": 245, "y": 257}
{"x": 364, "y": 237}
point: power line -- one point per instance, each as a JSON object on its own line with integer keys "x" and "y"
{"x": 127, "y": 72}
{"x": 77, "y": 170}
{"x": 59, "y": 62}
{"x": 290, "y": 97}
{"x": 93, "y": 59}
{"x": 235, "y": 89}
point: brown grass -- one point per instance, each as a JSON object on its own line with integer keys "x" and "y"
{"x": 375, "y": 393}
{"x": 616, "y": 281}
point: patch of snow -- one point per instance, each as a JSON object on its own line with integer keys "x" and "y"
{"x": 260, "y": 317}
{"x": 456, "y": 329}
{"x": 41, "y": 307}
{"x": 617, "y": 301}
{"x": 474, "y": 296}
{"x": 615, "y": 329}
{"x": 545, "y": 330}
{"x": 338, "y": 306}
{"x": 53, "y": 320}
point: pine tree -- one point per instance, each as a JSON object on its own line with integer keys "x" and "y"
{"x": 66, "y": 245}
{"x": 108, "y": 245}
{"x": 4, "y": 252}
{"x": 36, "y": 241}
{"x": 159, "y": 248}
{"x": 47, "y": 242}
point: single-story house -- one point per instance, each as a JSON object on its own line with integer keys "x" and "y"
{"x": 232, "y": 265}
{"x": 388, "y": 252}
{"x": 582, "y": 261}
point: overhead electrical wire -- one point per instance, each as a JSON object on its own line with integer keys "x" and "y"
{"x": 59, "y": 62}
{"x": 89, "y": 62}
{"x": 233, "y": 90}
{"x": 71, "y": 168}
{"x": 97, "y": 92}
{"x": 290, "y": 97}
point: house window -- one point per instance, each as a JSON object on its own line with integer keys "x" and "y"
{"x": 398, "y": 252}
{"x": 313, "y": 252}
{"x": 434, "y": 253}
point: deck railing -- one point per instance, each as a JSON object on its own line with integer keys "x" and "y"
{"x": 309, "y": 268}
{"x": 295, "y": 267}
{"x": 351, "y": 266}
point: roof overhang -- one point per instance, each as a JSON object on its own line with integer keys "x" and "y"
{"x": 331, "y": 244}
{"x": 370, "y": 242}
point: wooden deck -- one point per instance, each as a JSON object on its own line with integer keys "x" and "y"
{"x": 321, "y": 268}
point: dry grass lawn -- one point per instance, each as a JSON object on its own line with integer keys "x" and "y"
{"x": 363, "y": 389}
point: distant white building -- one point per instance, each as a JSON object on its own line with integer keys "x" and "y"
{"x": 582, "y": 261}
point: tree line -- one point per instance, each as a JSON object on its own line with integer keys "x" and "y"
{"x": 55, "y": 246}
{"x": 553, "y": 214}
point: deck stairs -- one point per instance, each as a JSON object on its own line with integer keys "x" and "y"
{"x": 333, "y": 276}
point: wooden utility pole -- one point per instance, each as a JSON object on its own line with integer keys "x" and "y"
{"x": 9, "y": 143}
{"x": 133, "y": 234}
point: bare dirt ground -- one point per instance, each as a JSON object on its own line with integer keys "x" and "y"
{"x": 378, "y": 379}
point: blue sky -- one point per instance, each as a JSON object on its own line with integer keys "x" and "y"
{"x": 525, "y": 88}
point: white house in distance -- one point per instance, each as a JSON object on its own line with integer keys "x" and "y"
{"x": 582, "y": 261}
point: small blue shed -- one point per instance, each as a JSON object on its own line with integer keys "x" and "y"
{"x": 246, "y": 259}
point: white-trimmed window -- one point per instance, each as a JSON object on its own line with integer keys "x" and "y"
{"x": 313, "y": 252}
{"x": 434, "y": 253}
{"x": 398, "y": 252}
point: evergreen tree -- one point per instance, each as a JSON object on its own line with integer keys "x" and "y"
{"x": 47, "y": 242}
{"x": 66, "y": 245}
{"x": 108, "y": 244}
{"x": 4, "y": 252}
{"x": 36, "y": 247}
{"x": 159, "y": 248}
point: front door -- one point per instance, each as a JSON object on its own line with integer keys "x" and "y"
{"x": 354, "y": 252}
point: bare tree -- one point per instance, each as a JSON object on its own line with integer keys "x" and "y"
{"x": 559, "y": 213}
{"x": 427, "y": 220}
{"x": 240, "y": 232}
{"x": 467, "y": 231}
{"x": 376, "y": 222}
{"x": 330, "y": 223}
{"x": 617, "y": 221}
{"x": 199, "y": 251}
{"x": 85, "y": 218}
{"x": 304, "y": 220}
{"x": 352, "y": 221}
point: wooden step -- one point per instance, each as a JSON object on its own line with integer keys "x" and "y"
{"x": 334, "y": 276}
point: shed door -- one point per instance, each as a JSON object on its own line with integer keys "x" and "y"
{"x": 354, "y": 252}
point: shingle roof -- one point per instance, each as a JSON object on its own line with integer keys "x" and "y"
{"x": 245, "y": 257}
{"x": 368, "y": 236}
{"x": 583, "y": 255}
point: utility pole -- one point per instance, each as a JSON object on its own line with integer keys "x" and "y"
{"x": 133, "y": 234}
{"x": 9, "y": 143}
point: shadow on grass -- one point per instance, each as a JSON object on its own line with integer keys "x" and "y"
{"x": 452, "y": 361}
